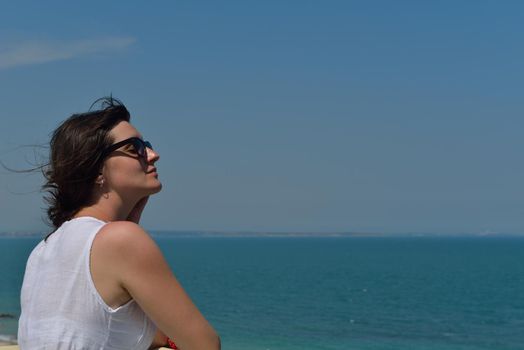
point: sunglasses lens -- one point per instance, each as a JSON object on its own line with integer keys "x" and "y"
{"x": 140, "y": 147}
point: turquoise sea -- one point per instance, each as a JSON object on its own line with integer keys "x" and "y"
{"x": 381, "y": 293}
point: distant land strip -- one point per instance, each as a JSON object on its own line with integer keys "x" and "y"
{"x": 244, "y": 234}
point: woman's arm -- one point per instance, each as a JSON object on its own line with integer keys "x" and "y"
{"x": 136, "y": 212}
{"x": 140, "y": 268}
{"x": 159, "y": 340}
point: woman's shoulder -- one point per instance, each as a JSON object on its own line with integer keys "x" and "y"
{"x": 122, "y": 246}
{"x": 122, "y": 227}
{"x": 122, "y": 234}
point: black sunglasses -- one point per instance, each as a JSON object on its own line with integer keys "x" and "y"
{"x": 139, "y": 145}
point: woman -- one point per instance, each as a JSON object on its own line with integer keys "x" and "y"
{"x": 99, "y": 281}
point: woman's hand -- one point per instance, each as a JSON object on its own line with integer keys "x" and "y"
{"x": 136, "y": 212}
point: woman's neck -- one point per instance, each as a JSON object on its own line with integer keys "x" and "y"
{"x": 106, "y": 210}
{"x": 96, "y": 213}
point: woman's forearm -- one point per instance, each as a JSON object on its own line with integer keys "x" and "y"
{"x": 159, "y": 340}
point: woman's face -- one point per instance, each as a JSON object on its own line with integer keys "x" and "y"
{"x": 125, "y": 172}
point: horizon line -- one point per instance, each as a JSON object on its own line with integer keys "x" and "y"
{"x": 246, "y": 233}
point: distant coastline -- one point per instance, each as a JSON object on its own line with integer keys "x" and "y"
{"x": 262, "y": 234}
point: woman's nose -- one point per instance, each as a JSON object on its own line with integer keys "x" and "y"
{"x": 152, "y": 155}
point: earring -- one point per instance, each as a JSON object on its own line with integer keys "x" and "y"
{"x": 105, "y": 193}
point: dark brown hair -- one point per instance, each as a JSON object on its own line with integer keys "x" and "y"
{"x": 75, "y": 158}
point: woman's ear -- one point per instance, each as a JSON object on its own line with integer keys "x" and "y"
{"x": 100, "y": 180}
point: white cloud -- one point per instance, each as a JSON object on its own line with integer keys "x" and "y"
{"x": 40, "y": 52}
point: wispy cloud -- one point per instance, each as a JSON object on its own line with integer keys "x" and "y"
{"x": 27, "y": 53}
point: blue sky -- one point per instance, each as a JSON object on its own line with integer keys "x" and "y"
{"x": 374, "y": 116}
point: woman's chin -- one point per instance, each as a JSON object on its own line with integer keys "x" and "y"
{"x": 156, "y": 188}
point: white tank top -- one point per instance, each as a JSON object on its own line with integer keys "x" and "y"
{"x": 61, "y": 309}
